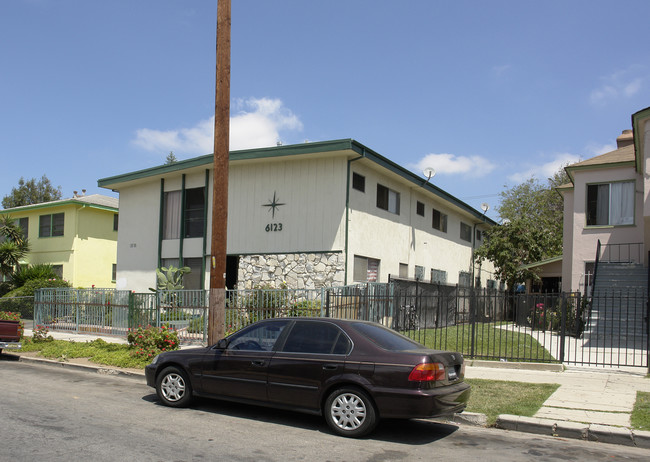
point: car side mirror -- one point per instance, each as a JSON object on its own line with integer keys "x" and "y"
{"x": 222, "y": 344}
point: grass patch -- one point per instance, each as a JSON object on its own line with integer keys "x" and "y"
{"x": 490, "y": 342}
{"x": 494, "y": 397}
{"x": 640, "y": 419}
{"x": 97, "y": 351}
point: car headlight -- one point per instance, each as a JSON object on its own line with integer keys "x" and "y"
{"x": 155, "y": 359}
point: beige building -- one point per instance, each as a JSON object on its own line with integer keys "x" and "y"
{"x": 308, "y": 215}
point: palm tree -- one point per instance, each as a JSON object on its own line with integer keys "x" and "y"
{"x": 13, "y": 245}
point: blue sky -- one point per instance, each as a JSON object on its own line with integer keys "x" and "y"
{"x": 487, "y": 93}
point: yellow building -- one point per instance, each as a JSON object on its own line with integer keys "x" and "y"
{"x": 78, "y": 236}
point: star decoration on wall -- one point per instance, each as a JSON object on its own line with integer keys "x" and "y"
{"x": 273, "y": 204}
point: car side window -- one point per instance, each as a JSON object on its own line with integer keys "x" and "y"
{"x": 259, "y": 338}
{"x": 317, "y": 338}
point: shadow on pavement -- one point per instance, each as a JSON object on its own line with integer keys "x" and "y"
{"x": 411, "y": 432}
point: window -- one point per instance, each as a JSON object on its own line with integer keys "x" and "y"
{"x": 419, "y": 273}
{"x": 172, "y": 215}
{"x": 491, "y": 284}
{"x": 194, "y": 212}
{"x": 114, "y": 273}
{"x": 438, "y": 276}
{"x": 259, "y": 338}
{"x": 51, "y": 225}
{"x": 439, "y": 221}
{"x": 23, "y": 224}
{"x": 387, "y": 199}
{"x": 58, "y": 270}
{"x": 419, "y": 208}
{"x": 465, "y": 232}
{"x": 192, "y": 280}
{"x": 403, "y": 270}
{"x": 366, "y": 269}
{"x": 464, "y": 279}
{"x": 358, "y": 182}
{"x": 316, "y": 338}
{"x": 115, "y": 222}
{"x": 479, "y": 235}
{"x": 610, "y": 204}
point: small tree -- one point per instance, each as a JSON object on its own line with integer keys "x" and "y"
{"x": 171, "y": 158}
{"x": 13, "y": 245}
{"x": 31, "y": 192}
{"x": 532, "y": 214}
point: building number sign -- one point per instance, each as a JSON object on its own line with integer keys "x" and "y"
{"x": 273, "y": 205}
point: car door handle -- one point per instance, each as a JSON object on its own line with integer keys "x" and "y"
{"x": 330, "y": 367}
{"x": 258, "y": 362}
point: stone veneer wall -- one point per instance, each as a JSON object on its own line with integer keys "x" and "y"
{"x": 297, "y": 271}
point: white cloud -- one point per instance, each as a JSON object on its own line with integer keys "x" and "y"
{"x": 625, "y": 83}
{"x": 450, "y": 164}
{"x": 501, "y": 70}
{"x": 257, "y": 123}
{"x": 546, "y": 170}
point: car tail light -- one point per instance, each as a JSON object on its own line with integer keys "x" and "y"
{"x": 427, "y": 372}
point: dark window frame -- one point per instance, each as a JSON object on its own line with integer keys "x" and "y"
{"x": 383, "y": 199}
{"x": 358, "y": 182}
{"x": 465, "y": 232}
{"x": 419, "y": 208}
{"x": 439, "y": 220}
{"x": 51, "y": 225}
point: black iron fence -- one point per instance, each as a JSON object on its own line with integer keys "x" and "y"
{"x": 479, "y": 323}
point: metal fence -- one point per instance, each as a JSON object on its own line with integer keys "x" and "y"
{"x": 489, "y": 324}
{"x": 22, "y": 305}
{"x": 115, "y": 312}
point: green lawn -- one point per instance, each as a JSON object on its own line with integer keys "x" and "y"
{"x": 490, "y": 342}
{"x": 641, "y": 413}
{"x": 494, "y": 397}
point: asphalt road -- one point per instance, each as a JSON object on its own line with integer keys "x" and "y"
{"x": 60, "y": 414}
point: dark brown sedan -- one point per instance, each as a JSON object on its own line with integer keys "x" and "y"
{"x": 352, "y": 372}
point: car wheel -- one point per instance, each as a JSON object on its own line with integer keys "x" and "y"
{"x": 350, "y": 412}
{"x": 174, "y": 388}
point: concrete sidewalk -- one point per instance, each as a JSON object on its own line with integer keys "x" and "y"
{"x": 591, "y": 403}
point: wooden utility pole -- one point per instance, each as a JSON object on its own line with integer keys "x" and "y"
{"x": 217, "y": 307}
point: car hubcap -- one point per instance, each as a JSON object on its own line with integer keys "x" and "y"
{"x": 348, "y": 411}
{"x": 173, "y": 387}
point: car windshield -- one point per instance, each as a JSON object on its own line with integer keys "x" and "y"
{"x": 385, "y": 338}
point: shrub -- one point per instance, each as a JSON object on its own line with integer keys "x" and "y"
{"x": 147, "y": 342}
{"x": 40, "y": 334}
{"x": 27, "y": 290}
{"x": 11, "y": 316}
{"x": 41, "y": 271}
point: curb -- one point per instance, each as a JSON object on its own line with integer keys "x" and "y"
{"x": 583, "y": 431}
{"x": 550, "y": 367}
{"x": 84, "y": 367}
{"x": 535, "y": 425}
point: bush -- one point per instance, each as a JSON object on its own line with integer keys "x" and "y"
{"x": 40, "y": 334}
{"x": 41, "y": 271}
{"x": 27, "y": 290}
{"x": 11, "y": 316}
{"x": 147, "y": 342}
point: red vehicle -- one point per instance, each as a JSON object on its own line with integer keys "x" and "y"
{"x": 10, "y": 333}
{"x": 351, "y": 372}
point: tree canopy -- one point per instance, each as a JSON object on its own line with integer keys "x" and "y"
{"x": 171, "y": 158}
{"x": 31, "y": 192}
{"x": 531, "y": 228}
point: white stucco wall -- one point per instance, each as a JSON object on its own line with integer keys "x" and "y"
{"x": 310, "y": 198}
{"x": 407, "y": 238}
